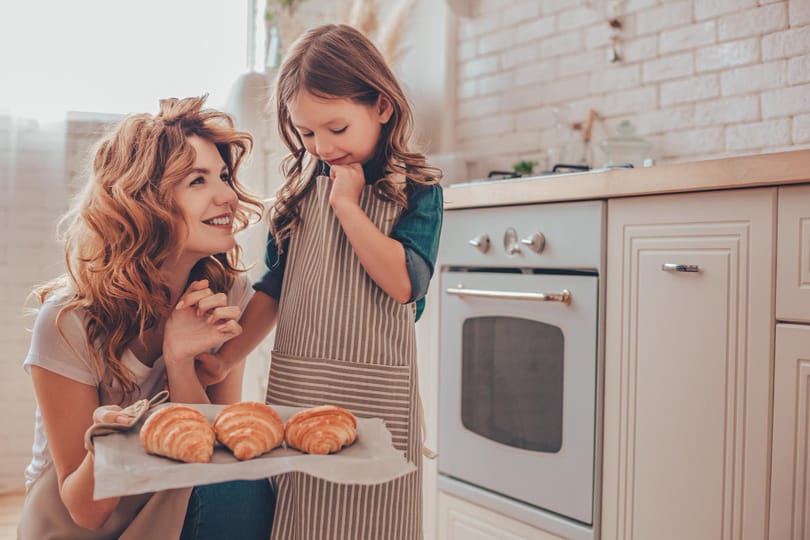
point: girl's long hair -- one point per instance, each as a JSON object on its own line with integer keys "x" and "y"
{"x": 338, "y": 62}
{"x": 123, "y": 226}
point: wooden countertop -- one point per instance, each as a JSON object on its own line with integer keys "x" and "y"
{"x": 729, "y": 173}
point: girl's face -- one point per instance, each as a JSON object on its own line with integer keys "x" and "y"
{"x": 339, "y": 131}
{"x": 208, "y": 202}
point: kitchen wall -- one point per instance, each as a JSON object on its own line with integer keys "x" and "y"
{"x": 39, "y": 165}
{"x": 699, "y": 79}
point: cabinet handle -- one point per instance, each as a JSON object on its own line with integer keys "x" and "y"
{"x": 564, "y": 296}
{"x": 670, "y": 267}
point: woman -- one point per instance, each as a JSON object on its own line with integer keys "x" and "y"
{"x": 152, "y": 281}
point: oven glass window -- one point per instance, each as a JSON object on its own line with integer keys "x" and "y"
{"x": 512, "y": 382}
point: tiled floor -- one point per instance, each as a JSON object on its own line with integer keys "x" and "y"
{"x": 10, "y": 506}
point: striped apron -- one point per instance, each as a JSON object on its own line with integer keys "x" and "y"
{"x": 342, "y": 340}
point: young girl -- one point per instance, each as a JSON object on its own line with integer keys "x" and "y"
{"x": 354, "y": 235}
{"x": 156, "y": 218}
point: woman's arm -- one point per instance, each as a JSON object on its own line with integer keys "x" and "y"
{"x": 257, "y": 321}
{"x": 230, "y": 389}
{"x": 201, "y": 321}
{"x": 67, "y": 411}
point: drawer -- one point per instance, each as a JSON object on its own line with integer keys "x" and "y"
{"x": 793, "y": 254}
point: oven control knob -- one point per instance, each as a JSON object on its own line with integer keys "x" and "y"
{"x": 481, "y": 242}
{"x": 536, "y": 242}
{"x": 510, "y": 241}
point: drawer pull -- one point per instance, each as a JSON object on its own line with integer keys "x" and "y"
{"x": 670, "y": 267}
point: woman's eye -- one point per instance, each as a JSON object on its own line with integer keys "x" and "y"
{"x": 339, "y": 131}
{"x": 306, "y": 135}
{"x": 225, "y": 177}
{"x": 198, "y": 180}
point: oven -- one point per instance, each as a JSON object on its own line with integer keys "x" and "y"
{"x": 520, "y": 372}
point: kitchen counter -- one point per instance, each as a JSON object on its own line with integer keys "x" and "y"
{"x": 729, "y": 173}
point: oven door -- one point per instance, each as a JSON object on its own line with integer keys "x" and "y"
{"x": 518, "y": 387}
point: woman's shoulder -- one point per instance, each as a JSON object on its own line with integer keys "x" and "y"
{"x": 70, "y": 320}
{"x": 59, "y": 341}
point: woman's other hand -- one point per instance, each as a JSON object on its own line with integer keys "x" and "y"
{"x": 112, "y": 414}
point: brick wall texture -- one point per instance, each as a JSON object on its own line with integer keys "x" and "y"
{"x": 698, "y": 79}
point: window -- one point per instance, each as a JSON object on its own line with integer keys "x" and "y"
{"x": 112, "y": 56}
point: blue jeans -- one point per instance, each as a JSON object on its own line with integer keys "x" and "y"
{"x": 240, "y": 509}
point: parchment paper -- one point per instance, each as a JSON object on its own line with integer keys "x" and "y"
{"x": 122, "y": 466}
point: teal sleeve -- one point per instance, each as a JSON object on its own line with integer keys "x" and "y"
{"x": 418, "y": 230}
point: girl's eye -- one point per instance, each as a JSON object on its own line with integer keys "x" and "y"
{"x": 198, "y": 180}
{"x": 339, "y": 131}
{"x": 225, "y": 176}
{"x": 306, "y": 135}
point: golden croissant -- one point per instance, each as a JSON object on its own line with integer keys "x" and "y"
{"x": 249, "y": 429}
{"x": 321, "y": 430}
{"x": 179, "y": 432}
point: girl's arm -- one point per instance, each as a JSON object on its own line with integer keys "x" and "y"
{"x": 383, "y": 258}
{"x": 65, "y": 432}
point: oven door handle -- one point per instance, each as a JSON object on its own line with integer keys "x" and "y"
{"x": 563, "y": 297}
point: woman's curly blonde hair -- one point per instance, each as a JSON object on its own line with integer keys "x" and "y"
{"x": 339, "y": 62}
{"x": 123, "y": 226}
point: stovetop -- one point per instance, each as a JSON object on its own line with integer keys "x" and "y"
{"x": 561, "y": 169}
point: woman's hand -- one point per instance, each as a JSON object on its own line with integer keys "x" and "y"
{"x": 202, "y": 320}
{"x": 112, "y": 414}
{"x": 347, "y": 184}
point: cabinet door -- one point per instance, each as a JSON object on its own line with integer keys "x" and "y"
{"x": 462, "y": 520}
{"x": 793, "y": 270}
{"x": 790, "y": 501}
{"x": 687, "y": 366}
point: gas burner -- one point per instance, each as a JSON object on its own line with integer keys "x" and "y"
{"x": 502, "y": 175}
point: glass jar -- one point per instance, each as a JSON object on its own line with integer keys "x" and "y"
{"x": 625, "y": 148}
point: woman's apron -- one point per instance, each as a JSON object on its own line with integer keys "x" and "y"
{"x": 342, "y": 340}
{"x": 154, "y": 516}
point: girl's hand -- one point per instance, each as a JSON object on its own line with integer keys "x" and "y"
{"x": 347, "y": 184}
{"x": 202, "y": 320}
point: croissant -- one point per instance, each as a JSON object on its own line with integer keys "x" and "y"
{"x": 179, "y": 432}
{"x": 321, "y": 430}
{"x": 249, "y": 429}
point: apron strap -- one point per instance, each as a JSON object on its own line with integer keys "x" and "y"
{"x": 427, "y": 452}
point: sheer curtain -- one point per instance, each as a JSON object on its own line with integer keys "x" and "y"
{"x": 70, "y": 70}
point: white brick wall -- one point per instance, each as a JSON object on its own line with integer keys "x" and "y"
{"x": 699, "y": 79}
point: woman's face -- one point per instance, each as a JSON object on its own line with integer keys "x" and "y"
{"x": 339, "y": 131}
{"x": 207, "y": 202}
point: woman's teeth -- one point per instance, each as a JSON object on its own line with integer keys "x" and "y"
{"x": 225, "y": 220}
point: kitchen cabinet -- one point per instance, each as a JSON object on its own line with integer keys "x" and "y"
{"x": 790, "y": 473}
{"x": 790, "y": 502}
{"x": 688, "y": 358}
{"x": 462, "y": 520}
{"x": 793, "y": 270}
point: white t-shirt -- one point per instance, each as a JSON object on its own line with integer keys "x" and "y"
{"x": 70, "y": 357}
